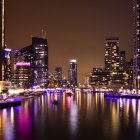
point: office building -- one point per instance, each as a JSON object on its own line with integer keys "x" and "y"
{"x": 58, "y": 75}
{"x": 136, "y": 43}
{"x": 99, "y": 76}
{"x": 23, "y": 75}
{"x": 72, "y": 72}
{"x": 37, "y": 55}
{"x": 112, "y": 54}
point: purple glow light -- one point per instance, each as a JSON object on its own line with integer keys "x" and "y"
{"x": 23, "y": 64}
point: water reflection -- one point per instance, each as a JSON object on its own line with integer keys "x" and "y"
{"x": 73, "y": 117}
{"x": 138, "y": 116}
{"x": 6, "y": 124}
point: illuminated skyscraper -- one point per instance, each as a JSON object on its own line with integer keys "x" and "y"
{"x": 23, "y": 75}
{"x": 2, "y": 38}
{"x": 36, "y": 55}
{"x": 112, "y": 54}
{"x": 72, "y": 73}
{"x": 136, "y": 43}
{"x": 115, "y": 62}
{"x": 58, "y": 75}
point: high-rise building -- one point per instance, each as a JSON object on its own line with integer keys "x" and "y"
{"x": 72, "y": 72}
{"x": 2, "y": 38}
{"x": 99, "y": 76}
{"x": 112, "y": 54}
{"x": 136, "y": 43}
{"x": 58, "y": 75}
{"x": 115, "y": 62}
{"x": 23, "y": 75}
{"x": 122, "y": 60}
{"x": 7, "y": 64}
{"x": 37, "y": 55}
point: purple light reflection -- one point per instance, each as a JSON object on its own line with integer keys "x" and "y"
{"x": 24, "y": 123}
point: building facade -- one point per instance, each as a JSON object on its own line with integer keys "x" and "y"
{"x": 59, "y": 75}
{"x": 129, "y": 71}
{"x": 72, "y": 72}
{"x": 2, "y": 38}
{"x": 7, "y": 64}
{"x": 136, "y": 43}
{"x": 37, "y": 55}
{"x": 23, "y": 75}
{"x": 112, "y": 54}
{"x": 115, "y": 62}
{"x": 122, "y": 61}
{"x": 99, "y": 76}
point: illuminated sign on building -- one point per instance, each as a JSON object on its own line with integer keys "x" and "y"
{"x": 23, "y": 64}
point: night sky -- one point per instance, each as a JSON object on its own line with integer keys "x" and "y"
{"x": 75, "y": 29}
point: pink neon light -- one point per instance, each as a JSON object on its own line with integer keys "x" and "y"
{"x": 23, "y": 64}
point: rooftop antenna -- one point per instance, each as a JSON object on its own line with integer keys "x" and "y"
{"x": 43, "y": 33}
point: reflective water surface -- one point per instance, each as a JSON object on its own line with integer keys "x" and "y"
{"x": 84, "y": 116}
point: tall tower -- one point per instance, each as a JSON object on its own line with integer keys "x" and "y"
{"x": 2, "y": 38}
{"x": 112, "y": 54}
{"x": 58, "y": 75}
{"x": 7, "y": 64}
{"x": 136, "y": 43}
{"x": 32, "y": 61}
{"x": 72, "y": 73}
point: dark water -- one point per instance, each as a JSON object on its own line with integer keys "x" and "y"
{"x": 85, "y": 116}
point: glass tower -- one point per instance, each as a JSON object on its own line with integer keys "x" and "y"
{"x": 72, "y": 77}
{"x": 112, "y": 54}
{"x": 36, "y": 55}
{"x": 136, "y": 42}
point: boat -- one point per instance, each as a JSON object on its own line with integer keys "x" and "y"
{"x": 10, "y": 102}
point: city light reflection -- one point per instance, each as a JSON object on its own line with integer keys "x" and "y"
{"x": 71, "y": 111}
{"x": 138, "y": 117}
{"x": 73, "y": 122}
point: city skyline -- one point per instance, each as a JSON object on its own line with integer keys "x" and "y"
{"x": 75, "y": 69}
{"x": 75, "y": 29}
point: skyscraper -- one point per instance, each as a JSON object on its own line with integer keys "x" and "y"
{"x": 136, "y": 43}
{"x": 72, "y": 73}
{"x": 58, "y": 75}
{"x": 112, "y": 54}
{"x": 2, "y": 38}
{"x": 23, "y": 75}
{"x": 37, "y": 56}
{"x": 115, "y": 62}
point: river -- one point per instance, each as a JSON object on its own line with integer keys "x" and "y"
{"x": 83, "y": 116}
